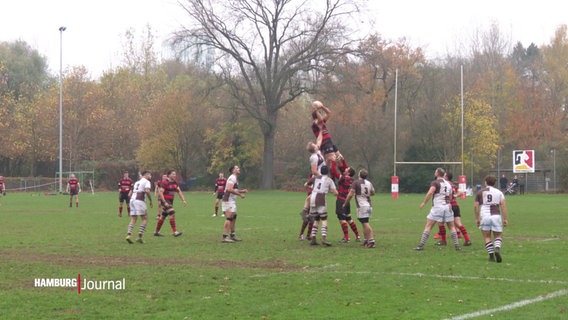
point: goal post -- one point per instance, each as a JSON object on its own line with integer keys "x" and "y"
{"x": 86, "y": 178}
{"x": 395, "y": 179}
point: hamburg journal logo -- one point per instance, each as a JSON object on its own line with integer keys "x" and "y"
{"x": 81, "y": 284}
{"x": 523, "y": 161}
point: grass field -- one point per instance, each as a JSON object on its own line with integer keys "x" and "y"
{"x": 272, "y": 275}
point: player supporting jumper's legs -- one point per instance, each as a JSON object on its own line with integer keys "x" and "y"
{"x": 307, "y": 224}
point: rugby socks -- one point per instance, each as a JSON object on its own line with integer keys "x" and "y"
{"x": 310, "y": 226}
{"x": 345, "y": 228}
{"x": 424, "y": 238}
{"x": 454, "y": 236}
{"x": 216, "y": 209}
{"x": 464, "y": 233}
{"x": 141, "y": 230}
{"x": 442, "y": 233}
{"x": 130, "y": 227}
{"x": 490, "y": 248}
{"x": 498, "y": 242}
{"x": 324, "y": 232}
{"x": 354, "y": 228}
{"x": 159, "y": 224}
{"x": 314, "y": 231}
{"x": 305, "y": 224}
{"x": 173, "y": 224}
{"x": 120, "y": 210}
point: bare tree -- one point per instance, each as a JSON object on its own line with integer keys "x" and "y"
{"x": 266, "y": 49}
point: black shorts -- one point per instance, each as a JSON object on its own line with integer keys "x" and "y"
{"x": 220, "y": 195}
{"x": 364, "y": 220}
{"x": 167, "y": 208}
{"x": 73, "y": 192}
{"x": 327, "y": 146}
{"x": 123, "y": 196}
{"x": 456, "y": 211}
{"x": 342, "y": 214}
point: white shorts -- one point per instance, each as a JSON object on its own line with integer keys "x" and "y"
{"x": 364, "y": 212}
{"x": 138, "y": 208}
{"x": 318, "y": 210}
{"x": 441, "y": 214}
{"x": 229, "y": 206}
{"x": 491, "y": 223}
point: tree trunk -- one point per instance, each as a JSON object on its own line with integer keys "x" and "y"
{"x": 268, "y": 162}
{"x": 268, "y": 131}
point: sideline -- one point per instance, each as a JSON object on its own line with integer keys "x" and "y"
{"x": 511, "y": 306}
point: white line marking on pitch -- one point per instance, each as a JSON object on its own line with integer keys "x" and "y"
{"x": 307, "y": 270}
{"x": 511, "y": 306}
{"x": 547, "y": 239}
{"x": 476, "y": 278}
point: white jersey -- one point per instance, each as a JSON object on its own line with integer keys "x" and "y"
{"x": 443, "y": 193}
{"x": 363, "y": 190}
{"x": 229, "y": 196}
{"x": 321, "y": 187}
{"x": 489, "y": 200}
{"x": 139, "y": 189}
{"x": 317, "y": 159}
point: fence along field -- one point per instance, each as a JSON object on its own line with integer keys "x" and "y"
{"x": 272, "y": 275}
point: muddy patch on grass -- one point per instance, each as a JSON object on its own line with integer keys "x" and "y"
{"x": 121, "y": 261}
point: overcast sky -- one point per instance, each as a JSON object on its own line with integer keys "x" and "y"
{"x": 95, "y": 29}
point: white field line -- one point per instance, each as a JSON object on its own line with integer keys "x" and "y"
{"x": 420, "y": 275}
{"x": 511, "y": 306}
{"x": 447, "y": 276}
{"x": 547, "y": 239}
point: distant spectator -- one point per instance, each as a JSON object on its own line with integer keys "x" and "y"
{"x": 516, "y": 184}
{"x": 503, "y": 182}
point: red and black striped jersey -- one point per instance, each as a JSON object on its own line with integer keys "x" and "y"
{"x": 324, "y": 131}
{"x": 343, "y": 186}
{"x": 170, "y": 188}
{"x": 125, "y": 184}
{"x": 453, "y": 201}
{"x": 73, "y": 183}
{"x": 220, "y": 184}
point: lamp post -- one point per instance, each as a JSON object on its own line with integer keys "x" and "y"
{"x": 61, "y": 29}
